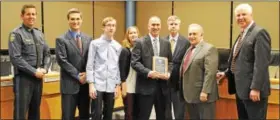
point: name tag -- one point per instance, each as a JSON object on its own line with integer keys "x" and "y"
{"x": 51, "y": 79}
{"x": 7, "y": 83}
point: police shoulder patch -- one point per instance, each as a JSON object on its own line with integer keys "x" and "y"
{"x": 12, "y": 37}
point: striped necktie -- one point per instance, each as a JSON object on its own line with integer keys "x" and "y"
{"x": 79, "y": 43}
{"x": 236, "y": 50}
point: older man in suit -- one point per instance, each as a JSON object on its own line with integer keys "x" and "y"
{"x": 179, "y": 45}
{"x": 151, "y": 85}
{"x": 71, "y": 53}
{"x": 248, "y": 74}
{"x": 198, "y": 72}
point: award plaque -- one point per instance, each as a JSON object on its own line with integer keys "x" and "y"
{"x": 160, "y": 64}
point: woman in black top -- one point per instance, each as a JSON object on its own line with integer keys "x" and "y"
{"x": 128, "y": 75}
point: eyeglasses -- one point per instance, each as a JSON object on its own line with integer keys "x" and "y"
{"x": 110, "y": 25}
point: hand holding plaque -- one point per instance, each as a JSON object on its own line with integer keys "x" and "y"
{"x": 160, "y": 65}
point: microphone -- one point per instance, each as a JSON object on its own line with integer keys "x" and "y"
{"x": 276, "y": 75}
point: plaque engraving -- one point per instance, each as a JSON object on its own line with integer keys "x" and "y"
{"x": 160, "y": 64}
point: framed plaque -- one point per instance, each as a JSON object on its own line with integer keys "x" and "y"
{"x": 160, "y": 64}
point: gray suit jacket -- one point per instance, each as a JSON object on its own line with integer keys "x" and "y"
{"x": 252, "y": 61}
{"x": 200, "y": 75}
{"x": 141, "y": 61}
{"x": 180, "y": 49}
{"x": 71, "y": 61}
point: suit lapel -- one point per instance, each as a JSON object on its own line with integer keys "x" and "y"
{"x": 161, "y": 46}
{"x": 178, "y": 46}
{"x": 72, "y": 41}
{"x": 197, "y": 50}
{"x": 245, "y": 37}
{"x": 149, "y": 44}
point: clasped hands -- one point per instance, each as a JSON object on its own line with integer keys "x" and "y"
{"x": 40, "y": 73}
{"x": 157, "y": 75}
{"x": 82, "y": 77}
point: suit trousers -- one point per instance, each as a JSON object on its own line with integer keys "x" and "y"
{"x": 198, "y": 111}
{"x": 247, "y": 109}
{"x": 178, "y": 103}
{"x": 71, "y": 101}
{"x": 130, "y": 106}
{"x": 108, "y": 105}
{"x": 146, "y": 103}
{"x": 27, "y": 92}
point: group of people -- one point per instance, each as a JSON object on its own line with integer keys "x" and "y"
{"x": 96, "y": 70}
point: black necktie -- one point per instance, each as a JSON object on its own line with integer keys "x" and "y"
{"x": 38, "y": 49}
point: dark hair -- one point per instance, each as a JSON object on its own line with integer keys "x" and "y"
{"x": 25, "y": 7}
{"x": 73, "y": 10}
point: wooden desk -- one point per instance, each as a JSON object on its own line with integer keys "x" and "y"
{"x": 226, "y": 105}
{"x": 50, "y": 102}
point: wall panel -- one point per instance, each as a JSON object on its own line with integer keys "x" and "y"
{"x": 266, "y": 15}
{"x": 10, "y": 18}
{"x": 214, "y": 17}
{"x": 56, "y": 23}
{"x": 106, "y": 9}
{"x": 144, "y": 10}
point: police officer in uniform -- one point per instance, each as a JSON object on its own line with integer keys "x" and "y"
{"x": 30, "y": 57}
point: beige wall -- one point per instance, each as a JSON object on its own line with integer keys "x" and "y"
{"x": 10, "y": 18}
{"x": 113, "y": 9}
{"x": 214, "y": 17}
{"x": 144, "y": 10}
{"x": 265, "y": 14}
{"x": 56, "y": 23}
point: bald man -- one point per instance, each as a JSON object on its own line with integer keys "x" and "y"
{"x": 248, "y": 74}
{"x": 198, "y": 72}
{"x": 151, "y": 85}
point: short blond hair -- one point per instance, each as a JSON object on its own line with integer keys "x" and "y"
{"x": 173, "y": 18}
{"x": 106, "y": 20}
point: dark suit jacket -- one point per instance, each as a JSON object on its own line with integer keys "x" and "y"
{"x": 141, "y": 61}
{"x": 124, "y": 63}
{"x": 71, "y": 61}
{"x": 252, "y": 61}
{"x": 180, "y": 49}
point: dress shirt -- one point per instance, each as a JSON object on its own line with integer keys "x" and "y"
{"x": 175, "y": 39}
{"x": 103, "y": 64}
{"x": 152, "y": 39}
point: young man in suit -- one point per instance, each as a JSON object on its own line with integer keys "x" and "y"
{"x": 198, "y": 71}
{"x": 179, "y": 45}
{"x": 151, "y": 85}
{"x": 248, "y": 74}
{"x": 71, "y": 54}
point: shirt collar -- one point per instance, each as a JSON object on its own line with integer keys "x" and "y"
{"x": 104, "y": 37}
{"x": 73, "y": 33}
{"x": 175, "y": 38}
{"x": 198, "y": 43}
{"x": 247, "y": 28}
{"x": 27, "y": 28}
{"x": 152, "y": 38}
